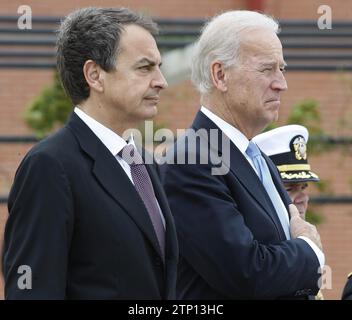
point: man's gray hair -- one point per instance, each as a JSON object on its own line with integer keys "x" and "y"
{"x": 221, "y": 39}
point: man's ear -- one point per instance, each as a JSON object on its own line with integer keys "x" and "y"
{"x": 93, "y": 75}
{"x": 218, "y": 76}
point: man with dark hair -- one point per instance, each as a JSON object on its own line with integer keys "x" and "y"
{"x": 88, "y": 219}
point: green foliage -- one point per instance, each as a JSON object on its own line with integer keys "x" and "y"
{"x": 271, "y": 126}
{"x": 51, "y": 108}
{"x": 323, "y": 186}
{"x": 307, "y": 114}
{"x": 313, "y": 217}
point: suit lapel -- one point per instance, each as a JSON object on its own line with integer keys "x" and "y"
{"x": 113, "y": 178}
{"x": 250, "y": 180}
{"x": 240, "y": 167}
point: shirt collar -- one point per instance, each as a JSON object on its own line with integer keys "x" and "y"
{"x": 236, "y": 136}
{"x": 109, "y": 138}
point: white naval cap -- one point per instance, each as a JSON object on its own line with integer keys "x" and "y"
{"x": 278, "y": 140}
{"x": 287, "y": 148}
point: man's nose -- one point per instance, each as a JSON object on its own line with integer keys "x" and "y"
{"x": 159, "y": 80}
{"x": 302, "y": 197}
{"x": 279, "y": 82}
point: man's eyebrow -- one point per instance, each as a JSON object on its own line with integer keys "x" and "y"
{"x": 148, "y": 62}
{"x": 272, "y": 63}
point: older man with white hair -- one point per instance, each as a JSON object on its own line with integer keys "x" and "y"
{"x": 240, "y": 236}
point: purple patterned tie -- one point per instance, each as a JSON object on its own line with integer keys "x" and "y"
{"x": 144, "y": 187}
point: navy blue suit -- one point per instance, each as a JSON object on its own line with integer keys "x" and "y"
{"x": 79, "y": 223}
{"x": 347, "y": 290}
{"x": 232, "y": 245}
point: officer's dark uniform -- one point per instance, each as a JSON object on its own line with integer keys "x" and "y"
{"x": 347, "y": 291}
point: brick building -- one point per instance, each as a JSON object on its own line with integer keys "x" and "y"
{"x": 333, "y": 91}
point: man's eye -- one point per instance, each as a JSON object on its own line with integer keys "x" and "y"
{"x": 288, "y": 189}
{"x": 283, "y": 70}
{"x": 145, "y": 68}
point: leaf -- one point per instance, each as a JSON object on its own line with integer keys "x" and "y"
{"x": 51, "y": 108}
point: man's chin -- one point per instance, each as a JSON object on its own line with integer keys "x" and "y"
{"x": 274, "y": 117}
{"x": 150, "y": 112}
{"x": 271, "y": 118}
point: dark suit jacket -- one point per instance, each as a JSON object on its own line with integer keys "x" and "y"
{"x": 232, "y": 245}
{"x": 78, "y": 222}
{"x": 347, "y": 291}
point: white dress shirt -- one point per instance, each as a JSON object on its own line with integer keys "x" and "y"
{"x": 241, "y": 142}
{"x": 113, "y": 142}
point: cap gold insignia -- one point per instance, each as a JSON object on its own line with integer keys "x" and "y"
{"x": 300, "y": 147}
